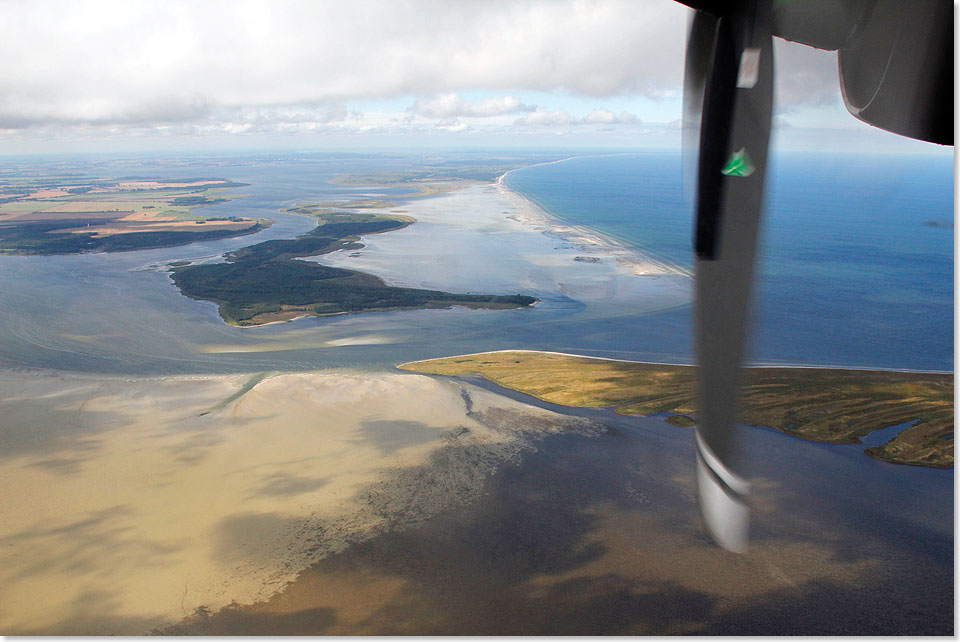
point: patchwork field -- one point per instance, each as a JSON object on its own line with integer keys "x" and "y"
{"x": 66, "y": 215}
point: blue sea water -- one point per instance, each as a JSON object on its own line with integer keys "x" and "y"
{"x": 856, "y": 264}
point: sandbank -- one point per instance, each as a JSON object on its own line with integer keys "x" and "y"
{"x": 488, "y": 238}
{"x": 591, "y": 241}
{"x": 130, "y": 503}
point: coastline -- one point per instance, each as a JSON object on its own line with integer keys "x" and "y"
{"x": 837, "y": 406}
{"x": 589, "y": 240}
{"x": 488, "y": 238}
{"x": 600, "y": 534}
{"x": 108, "y": 493}
{"x": 667, "y": 363}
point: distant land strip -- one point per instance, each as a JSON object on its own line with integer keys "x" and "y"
{"x": 264, "y": 283}
{"x": 73, "y": 215}
{"x": 820, "y": 404}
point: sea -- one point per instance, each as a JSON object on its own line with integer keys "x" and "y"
{"x": 856, "y": 255}
{"x": 856, "y": 270}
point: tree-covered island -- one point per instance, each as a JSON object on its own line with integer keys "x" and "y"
{"x": 265, "y": 282}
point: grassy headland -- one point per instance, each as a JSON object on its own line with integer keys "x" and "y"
{"x": 70, "y": 215}
{"x": 821, "y": 404}
{"x": 264, "y": 283}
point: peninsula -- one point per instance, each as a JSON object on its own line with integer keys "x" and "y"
{"x": 265, "y": 282}
{"x": 72, "y": 215}
{"x": 820, "y": 404}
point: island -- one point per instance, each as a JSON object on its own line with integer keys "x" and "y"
{"x": 72, "y": 214}
{"x": 267, "y": 282}
{"x": 822, "y": 404}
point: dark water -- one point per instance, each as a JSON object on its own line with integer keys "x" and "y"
{"x": 884, "y": 435}
{"x": 856, "y": 265}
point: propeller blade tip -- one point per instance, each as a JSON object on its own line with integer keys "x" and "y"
{"x": 723, "y": 501}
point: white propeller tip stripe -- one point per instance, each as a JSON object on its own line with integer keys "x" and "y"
{"x": 722, "y": 501}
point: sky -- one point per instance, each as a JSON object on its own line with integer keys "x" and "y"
{"x": 366, "y": 74}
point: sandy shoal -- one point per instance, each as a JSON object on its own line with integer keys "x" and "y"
{"x": 128, "y": 504}
{"x": 487, "y": 238}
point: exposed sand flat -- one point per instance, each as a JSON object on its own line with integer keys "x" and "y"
{"x": 590, "y": 241}
{"x": 128, "y": 504}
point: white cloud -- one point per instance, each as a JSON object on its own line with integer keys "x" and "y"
{"x": 450, "y": 105}
{"x": 805, "y": 76}
{"x": 174, "y": 68}
{"x": 607, "y": 117}
{"x": 541, "y": 117}
{"x": 544, "y": 117}
{"x": 171, "y": 61}
{"x": 453, "y": 126}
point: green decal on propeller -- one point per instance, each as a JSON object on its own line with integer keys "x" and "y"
{"x": 738, "y": 165}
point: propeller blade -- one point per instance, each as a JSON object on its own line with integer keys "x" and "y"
{"x": 700, "y": 42}
{"x": 734, "y": 136}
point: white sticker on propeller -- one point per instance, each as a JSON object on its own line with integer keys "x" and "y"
{"x": 749, "y": 68}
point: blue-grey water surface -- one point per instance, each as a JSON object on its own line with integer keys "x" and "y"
{"x": 856, "y": 271}
{"x": 856, "y": 264}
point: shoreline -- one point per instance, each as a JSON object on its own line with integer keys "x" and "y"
{"x": 530, "y": 213}
{"x": 819, "y": 404}
{"x": 489, "y": 238}
{"x": 689, "y": 365}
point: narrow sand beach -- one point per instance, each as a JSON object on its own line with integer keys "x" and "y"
{"x": 131, "y": 503}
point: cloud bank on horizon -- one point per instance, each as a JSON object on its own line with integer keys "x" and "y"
{"x": 588, "y": 68}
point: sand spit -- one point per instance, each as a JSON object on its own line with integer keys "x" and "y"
{"x": 589, "y": 241}
{"x": 129, "y": 504}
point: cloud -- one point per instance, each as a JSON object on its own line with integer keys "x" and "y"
{"x": 183, "y": 68}
{"x": 805, "y": 76}
{"x": 170, "y": 61}
{"x": 544, "y": 117}
{"x": 541, "y": 117}
{"x": 454, "y": 126}
{"x": 606, "y": 117}
{"x": 450, "y": 105}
